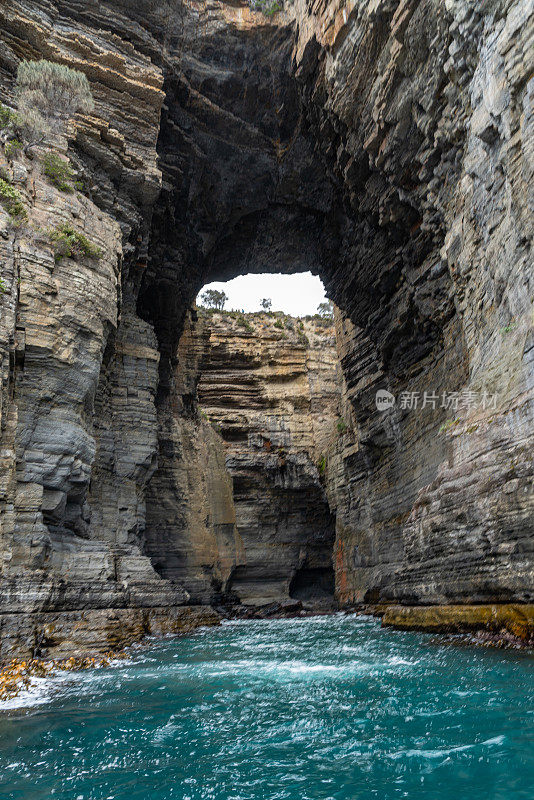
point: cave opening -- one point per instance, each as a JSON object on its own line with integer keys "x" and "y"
{"x": 255, "y": 407}
{"x": 260, "y": 178}
{"x": 300, "y": 295}
{"x": 264, "y": 171}
{"x": 245, "y": 190}
{"x": 315, "y": 583}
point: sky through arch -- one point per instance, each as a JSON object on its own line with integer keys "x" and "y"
{"x": 297, "y": 294}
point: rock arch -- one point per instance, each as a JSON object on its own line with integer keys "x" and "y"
{"x": 384, "y": 145}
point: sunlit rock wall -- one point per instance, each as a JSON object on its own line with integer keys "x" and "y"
{"x": 249, "y": 513}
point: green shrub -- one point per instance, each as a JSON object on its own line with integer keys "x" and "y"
{"x": 244, "y": 323}
{"x": 31, "y": 126}
{"x": 12, "y": 147}
{"x": 303, "y": 338}
{"x": 267, "y": 7}
{"x": 321, "y": 465}
{"x": 6, "y": 117}
{"x": 508, "y": 328}
{"x": 279, "y": 324}
{"x": 322, "y": 322}
{"x": 69, "y": 243}
{"x": 446, "y": 426}
{"x": 341, "y": 426}
{"x": 48, "y": 95}
{"x": 59, "y": 171}
{"x": 12, "y": 201}
{"x": 58, "y": 90}
{"x": 3, "y": 286}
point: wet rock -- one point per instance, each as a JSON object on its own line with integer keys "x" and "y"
{"x": 516, "y": 620}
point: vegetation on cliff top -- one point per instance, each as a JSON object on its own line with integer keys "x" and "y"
{"x": 213, "y": 299}
{"x": 243, "y": 322}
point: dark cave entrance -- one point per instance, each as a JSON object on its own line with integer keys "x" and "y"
{"x": 312, "y": 583}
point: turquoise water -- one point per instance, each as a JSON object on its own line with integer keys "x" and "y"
{"x": 310, "y": 709}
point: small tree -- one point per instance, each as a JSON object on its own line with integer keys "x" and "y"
{"x": 214, "y": 299}
{"x": 326, "y": 310}
{"x": 266, "y": 303}
{"x": 48, "y": 95}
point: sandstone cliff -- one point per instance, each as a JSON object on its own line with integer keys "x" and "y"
{"x": 268, "y": 386}
{"x": 384, "y": 144}
{"x": 237, "y": 507}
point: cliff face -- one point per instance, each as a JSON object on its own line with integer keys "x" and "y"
{"x": 237, "y": 508}
{"x": 191, "y": 533}
{"x": 386, "y": 145}
{"x": 79, "y": 367}
{"x": 433, "y": 143}
{"x": 268, "y": 386}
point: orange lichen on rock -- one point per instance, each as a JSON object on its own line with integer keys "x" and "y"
{"x": 513, "y": 619}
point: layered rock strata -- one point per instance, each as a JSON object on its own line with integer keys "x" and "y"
{"x": 79, "y": 367}
{"x": 436, "y": 503}
{"x": 59, "y": 635}
{"x": 191, "y": 534}
{"x": 245, "y": 518}
{"x": 268, "y": 385}
{"x": 387, "y": 146}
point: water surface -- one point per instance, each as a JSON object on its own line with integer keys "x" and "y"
{"x": 321, "y": 708}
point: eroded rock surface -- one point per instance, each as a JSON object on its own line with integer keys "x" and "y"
{"x": 385, "y": 144}
{"x": 268, "y": 386}
{"x": 238, "y": 510}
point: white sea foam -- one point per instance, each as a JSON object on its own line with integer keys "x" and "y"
{"x": 282, "y": 668}
{"x": 441, "y": 752}
{"x": 38, "y": 692}
{"x": 496, "y": 740}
